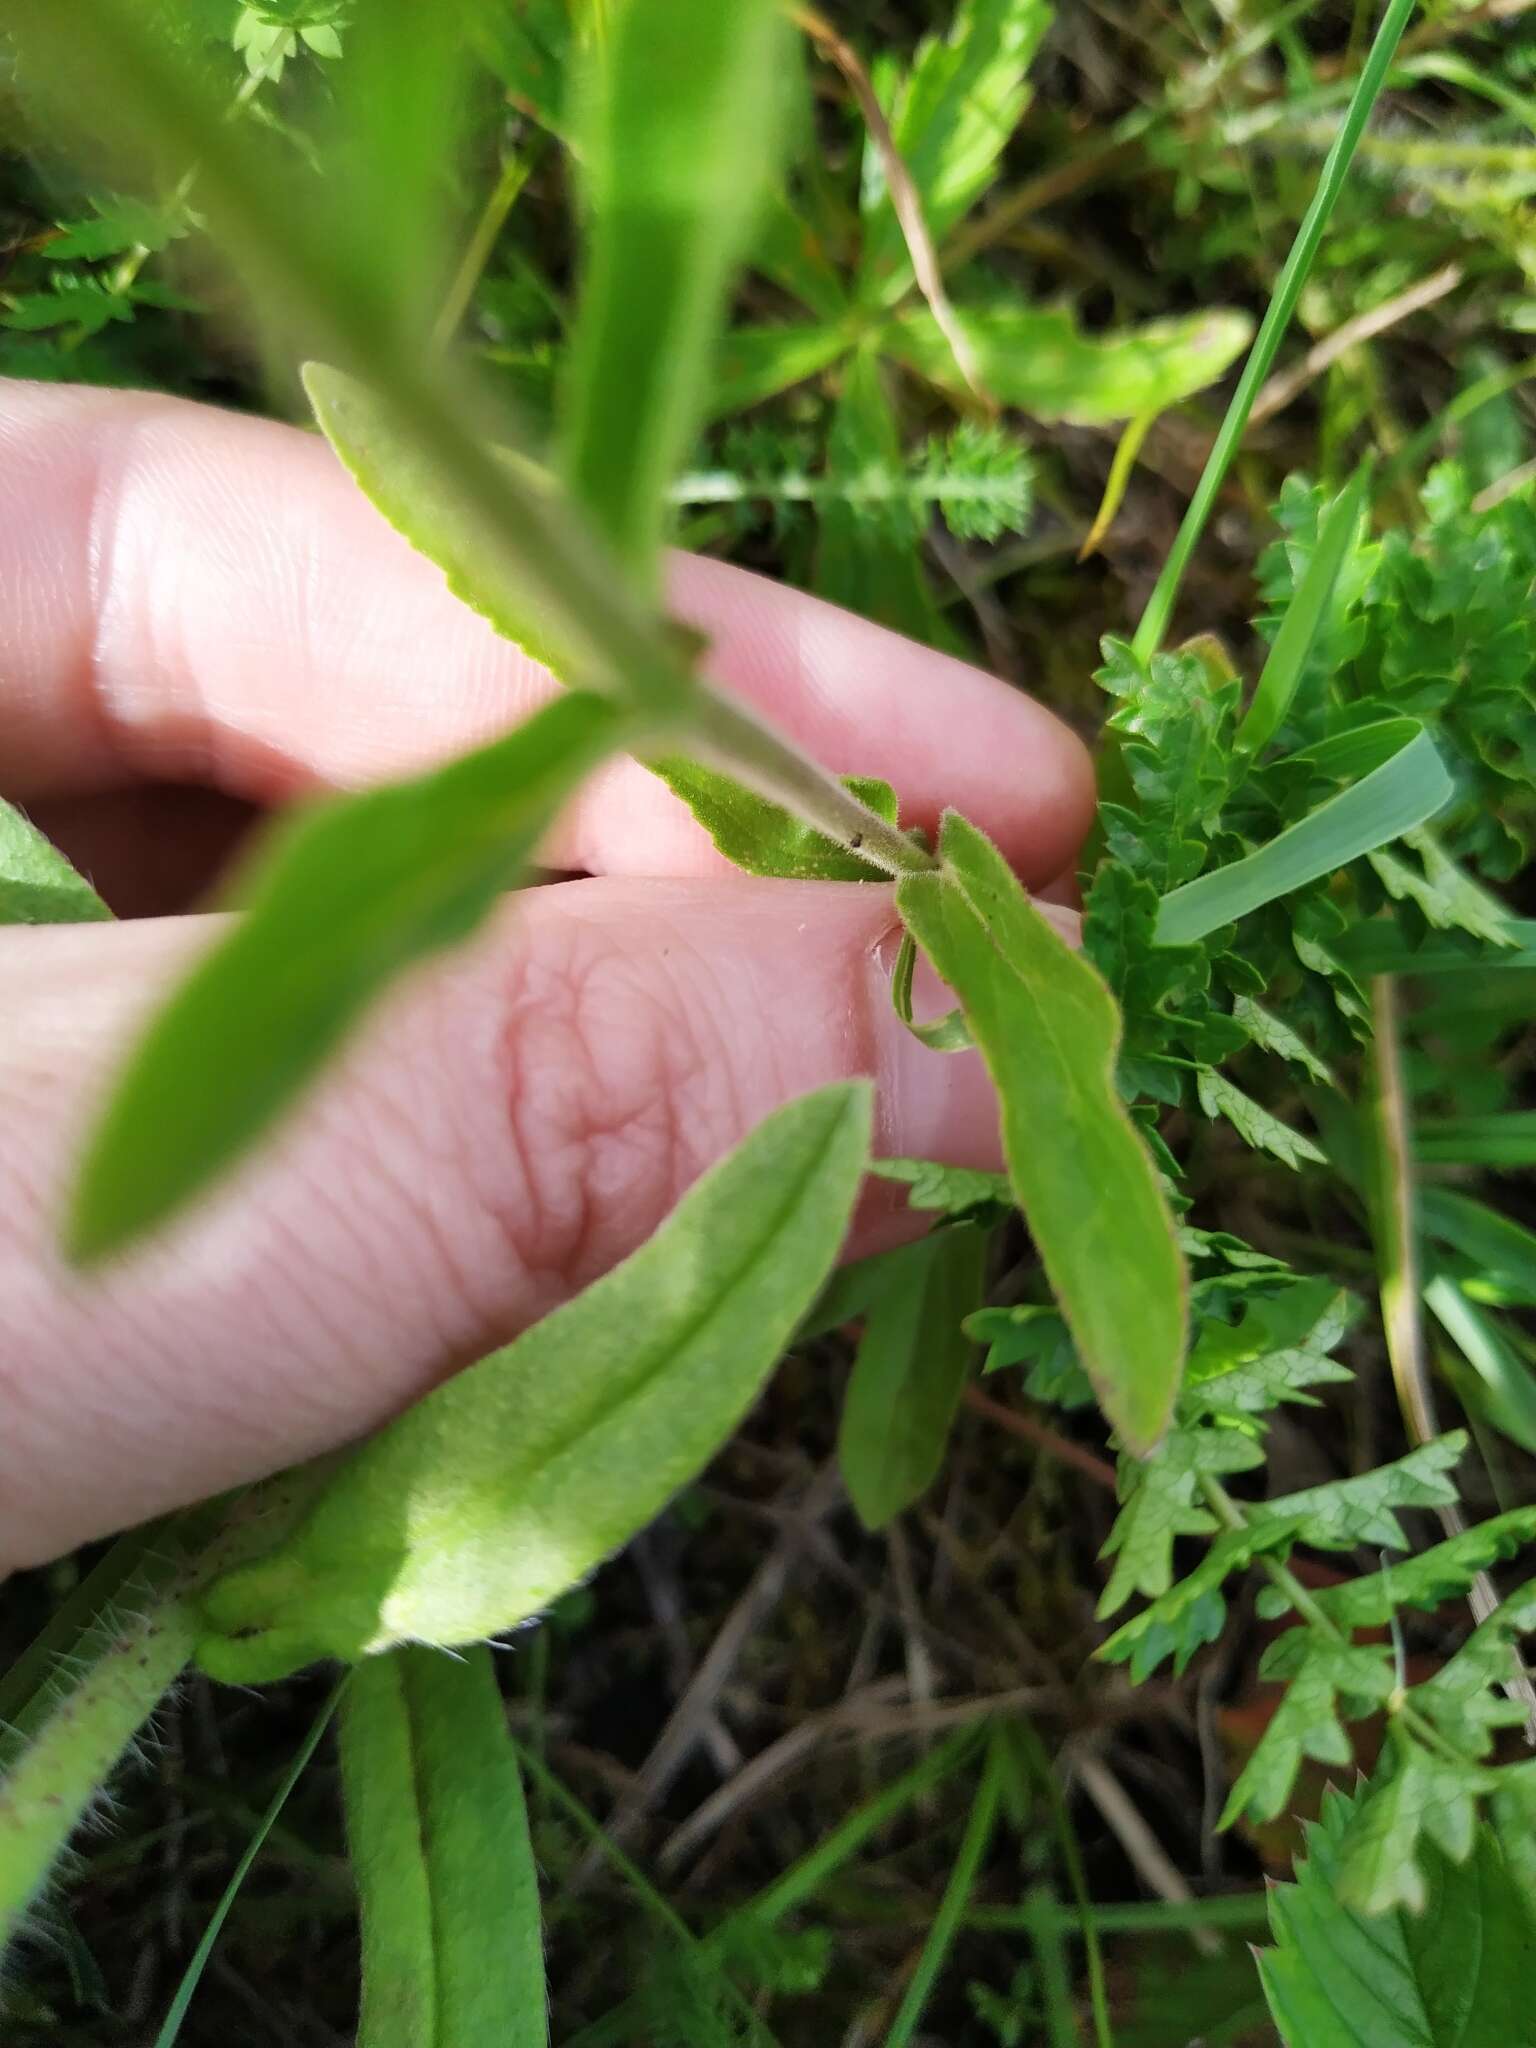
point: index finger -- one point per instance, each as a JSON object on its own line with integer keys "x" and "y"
{"x": 195, "y": 595}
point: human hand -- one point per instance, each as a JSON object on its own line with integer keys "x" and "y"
{"x": 202, "y": 600}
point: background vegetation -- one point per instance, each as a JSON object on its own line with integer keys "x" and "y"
{"x": 787, "y": 1772}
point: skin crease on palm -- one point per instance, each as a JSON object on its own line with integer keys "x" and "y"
{"x": 199, "y": 614}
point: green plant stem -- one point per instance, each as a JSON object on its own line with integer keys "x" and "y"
{"x": 493, "y": 218}
{"x": 962, "y": 1878}
{"x": 1298, "y": 266}
{"x": 1396, "y": 1232}
{"x": 171, "y": 2030}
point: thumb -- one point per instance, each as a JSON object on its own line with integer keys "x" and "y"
{"x": 503, "y": 1131}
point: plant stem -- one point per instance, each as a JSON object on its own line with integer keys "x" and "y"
{"x": 504, "y": 194}
{"x": 727, "y": 736}
{"x": 1298, "y": 266}
{"x": 962, "y": 1878}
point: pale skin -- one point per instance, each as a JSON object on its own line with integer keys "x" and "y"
{"x": 189, "y": 597}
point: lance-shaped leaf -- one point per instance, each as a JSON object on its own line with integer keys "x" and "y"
{"x": 1048, "y": 1030}
{"x": 346, "y": 899}
{"x": 511, "y": 1482}
{"x": 908, "y": 1374}
{"x": 676, "y": 148}
{"x": 447, "y": 1889}
{"x": 37, "y": 884}
{"x": 761, "y": 837}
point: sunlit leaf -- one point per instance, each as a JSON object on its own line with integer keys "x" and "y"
{"x": 1048, "y": 1030}
{"x": 37, "y": 884}
{"x": 508, "y": 1484}
{"x": 1037, "y": 359}
{"x": 448, "y": 1893}
{"x": 345, "y": 899}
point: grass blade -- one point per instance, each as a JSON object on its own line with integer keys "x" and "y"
{"x": 679, "y": 140}
{"x": 1048, "y": 1030}
{"x": 512, "y": 1481}
{"x": 1391, "y": 800}
{"x": 170, "y": 2031}
{"x": 346, "y": 899}
{"x": 1288, "y": 289}
{"x": 438, "y": 1830}
{"x": 946, "y": 1922}
{"x": 1304, "y": 617}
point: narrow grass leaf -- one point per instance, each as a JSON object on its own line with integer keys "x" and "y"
{"x": 1048, "y": 1030}
{"x": 908, "y": 1374}
{"x": 512, "y": 1481}
{"x": 1505, "y": 1386}
{"x": 438, "y": 1832}
{"x": 37, "y": 884}
{"x": 1277, "y": 318}
{"x": 170, "y": 2031}
{"x": 1304, "y": 618}
{"x": 1505, "y": 1140}
{"x": 676, "y": 147}
{"x": 969, "y": 1858}
{"x": 1503, "y": 1251}
{"x": 1391, "y": 800}
{"x": 344, "y": 901}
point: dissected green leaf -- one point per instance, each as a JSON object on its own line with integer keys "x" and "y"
{"x": 1445, "y": 1572}
{"x": 1276, "y": 1036}
{"x": 1191, "y": 1613}
{"x": 1280, "y": 1347}
{"x": 908, "y": 1374}
{"x": 1258, "y": 1126}
{"x": 1163, "y": 1498}
{"x": 953, "y": 1190}
{"x": 347, "y": 897}
{"x": 37, "y": 884}
{"x": 1456, "y": 1975}
{"x": 1037, "y": 359}
{"x": 1047, "y": 1028}
{"x": 764, "y": 839}
{"x": 1410, "y": 788}
{"x": 1306, "y": 1720}
{"x": 676, "y": 150}
{"x": 1447, "y": 895}
{"x": 1464, "y": 1697}
{"x": 868, "y": 554}
{"x": 508, "y": 1484}
{"x": 953, "y": 116}
{"x": 1419, "y": 1797}
{"x": 438, "y": 1834}
{"x": 1346, "y": 1512}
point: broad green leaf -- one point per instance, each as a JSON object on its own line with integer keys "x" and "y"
{"x": 1276, "y": 1036}
{"x": 1306, "y": 1720}
{"x": 1447, "y": 894}
{"x": 754, "y": 363}
{"x": 508, "y": 1484}
{"x": 764, "y": 839}
{"x": 869, "y": 553}
{"x": 1347, "y": 1512}
{"x": 908, "y": 1374}
{"x": 1038, "y": 360}
{"x": 1304, "y": 618}
{"x": 676, "y": 148}
{"x": 1391, "y": 800}
{"x": 37, "y": 884}
{"x": 346, "y": 899}
{"x": 1048, "y": 1031}
{"x": 491, "y": 567}
{"x": 438, "y": 1833}
{"x": 953, "y": 116}
{"x": 1257, "y": 1125}
{"x": 1456, "y": 1975}
{"x": 1428, "y": 1580}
